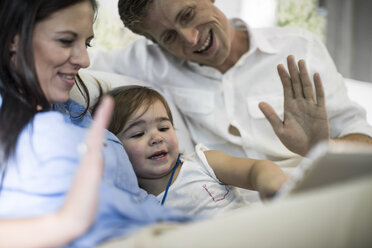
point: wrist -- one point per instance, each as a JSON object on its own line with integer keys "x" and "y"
{"x": 270, "y": 180}
{"x": 68, "y": 227}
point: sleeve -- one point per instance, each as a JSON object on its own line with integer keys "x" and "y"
{"x": 55, "y": 146}
{"x": 345, "y": 116}
{"x": 142, "y": 59}
{"x": 57, "y": 149}
{"x": 131, "y": 60}
{"x": 43, "y": 167}
{"x": 202, "y": 160}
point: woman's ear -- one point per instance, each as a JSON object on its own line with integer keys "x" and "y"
{"x": 14, "y": 44}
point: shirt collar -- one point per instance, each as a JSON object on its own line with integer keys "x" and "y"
{"x": 74, "y": 111}
{"x": 256, "y": 39}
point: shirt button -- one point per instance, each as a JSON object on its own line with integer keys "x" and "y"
{"x": 137, "y": 199}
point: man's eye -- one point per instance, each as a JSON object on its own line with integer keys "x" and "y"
{"x": 188, "y": 15}
{"x": 169, "y": 37}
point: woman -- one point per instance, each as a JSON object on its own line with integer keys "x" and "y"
{"x": 44, "y": 46}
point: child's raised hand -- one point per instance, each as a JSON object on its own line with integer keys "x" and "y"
{"x": 305, "y": 120}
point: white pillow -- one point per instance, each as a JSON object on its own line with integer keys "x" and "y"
{"x": 109, "y": 81}
{"x": 361, "y": 92}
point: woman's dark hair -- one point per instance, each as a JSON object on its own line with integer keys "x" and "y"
{"x": 19, "y": 86}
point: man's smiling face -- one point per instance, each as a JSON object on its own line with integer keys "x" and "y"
{"x": 190, "y": 29}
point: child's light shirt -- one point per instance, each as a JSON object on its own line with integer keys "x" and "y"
{"x": 198, "y": 191}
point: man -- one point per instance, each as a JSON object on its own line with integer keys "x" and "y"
{"x": 222, "y": 77}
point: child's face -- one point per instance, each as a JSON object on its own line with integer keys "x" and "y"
{"x": 151, "y": 142}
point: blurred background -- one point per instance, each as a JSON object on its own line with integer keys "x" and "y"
{"x": 343, "y": 25}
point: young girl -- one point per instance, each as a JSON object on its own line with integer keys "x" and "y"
{"x": 142, "y": 120}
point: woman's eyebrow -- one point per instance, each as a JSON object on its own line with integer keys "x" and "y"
{"x": 68, "y": 32}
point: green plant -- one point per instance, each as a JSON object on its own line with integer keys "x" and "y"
{"x": 302, "y": 14}
{"x": 109, "y": 31}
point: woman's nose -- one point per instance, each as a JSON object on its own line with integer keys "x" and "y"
{"x": 80, "y": 57}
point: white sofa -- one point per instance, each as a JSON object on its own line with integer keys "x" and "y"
{"x": 361, "y": 92}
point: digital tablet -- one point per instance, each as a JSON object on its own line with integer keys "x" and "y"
{"x": 328, "y": 164}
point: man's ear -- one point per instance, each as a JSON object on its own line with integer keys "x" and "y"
{"x": 14, "y": 44}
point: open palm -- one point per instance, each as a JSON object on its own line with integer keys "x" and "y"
{"x": 305, "y": 120}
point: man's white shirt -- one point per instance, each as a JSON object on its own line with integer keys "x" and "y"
{"x": 211, "y": 101}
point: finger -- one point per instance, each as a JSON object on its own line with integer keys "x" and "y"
{"x": 95, "y": 139}
{"x": 295, "y": 76}
{"x": 102, "y": 119}
{"x": 320, "y": 96}
{"x": 271, "y": 116}
{"x": 307, "y": 87}
{"x": 103, "y": 114}
{"x": 286, "y": 82}
{"x": 84, "y": 190}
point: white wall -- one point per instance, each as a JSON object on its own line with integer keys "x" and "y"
{"x": 258, "y": 13}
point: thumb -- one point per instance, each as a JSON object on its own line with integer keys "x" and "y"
{"x": 271, "y": 116}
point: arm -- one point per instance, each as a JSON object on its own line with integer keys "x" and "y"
{"x": 355, "y": 137}
{"x": 78, "y": 211}
{"x": 261, "y": 175}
